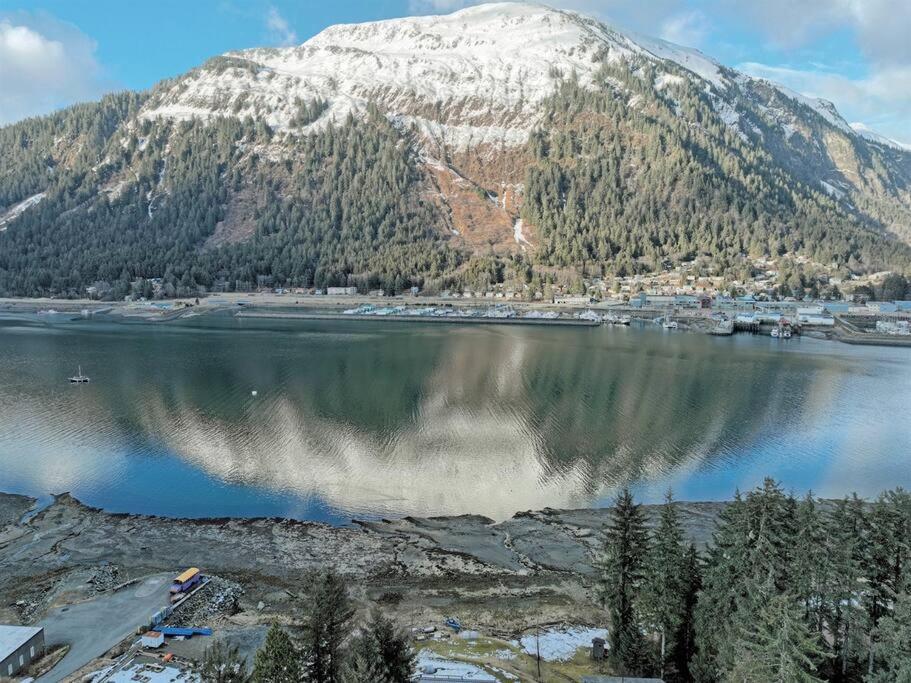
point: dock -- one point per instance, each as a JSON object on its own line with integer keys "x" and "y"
{"x": 471, "y": 320}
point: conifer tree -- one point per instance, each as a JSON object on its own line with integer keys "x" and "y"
{"x": 846, "y": 524}
{"x": 686, "y": 634}
{"x": 622, "y": 572}
{"x": 726, "y": 567}
{"x": 277, "y": 661}
{"x": 893, "y": 645}
{"x": 664, "y": 590}
{"x": 223, "y": 664}
{"x": 380, "y": 654}
{"x": 778, "y": 647}
{"x": 811, "y": 563}
{"x": 327, "y": 626}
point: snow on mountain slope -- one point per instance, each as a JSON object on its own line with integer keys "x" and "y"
{"x": 867, "y": 133}
{"x": 473, "y": 77}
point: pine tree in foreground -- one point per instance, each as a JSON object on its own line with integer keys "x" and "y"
{"x": 327, "y": 627}
{"x": 622, "y": 571}
{"x": 778, "y": 648}
{"x": 893, "y": 645}
{"x": 223, "y": 664}
{"x": 380, "y": 654}
{"x": 664, "y": 590}
{"x": 277, "y": 661}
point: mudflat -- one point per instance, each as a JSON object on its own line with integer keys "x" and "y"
{"x": 420, "y": 567}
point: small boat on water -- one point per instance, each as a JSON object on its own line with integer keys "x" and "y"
{"x": 79, "y": 378}
{"x": 781, "y": 332}
{"x": 669, "y": 324}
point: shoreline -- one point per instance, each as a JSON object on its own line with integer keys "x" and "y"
{"x": 68, "y": 561}
{"x": 533, "y": 548}
{"x": 331, "y": 308}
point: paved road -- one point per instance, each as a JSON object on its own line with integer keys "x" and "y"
{"x": 92, "y": 628}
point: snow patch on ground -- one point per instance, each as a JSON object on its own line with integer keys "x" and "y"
{"x": 491, "y": 63}
{"x": 832, "y": 190}
{"x": 518, "y": 235}
{"x": 19, "y": 209}
{"x": 434, "y": 667}
{"x": 149, "y": 674}
{"x": 557, "y": 645}
{"x": 665, "y": 80}
{"x": 690, "y": 59}
{"x": 867, "y": 133}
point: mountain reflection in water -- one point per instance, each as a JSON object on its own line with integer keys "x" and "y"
{"x": 380, "y": 419}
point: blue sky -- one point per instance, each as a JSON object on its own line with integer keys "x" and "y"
{"x": 55, "y": 52}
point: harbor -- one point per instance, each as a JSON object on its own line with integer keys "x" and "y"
{"x": 873, "y": 323}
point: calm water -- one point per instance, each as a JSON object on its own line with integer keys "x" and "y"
{"x": 370, "y": 419}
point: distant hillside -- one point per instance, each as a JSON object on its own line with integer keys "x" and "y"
{"x": 506, "y": 141}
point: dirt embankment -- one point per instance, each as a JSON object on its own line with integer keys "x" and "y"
{"x": 534, "y": 568}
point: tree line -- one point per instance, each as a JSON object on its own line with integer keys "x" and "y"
{"x": 326, "y": 649}
{"x": 787, "y": 590}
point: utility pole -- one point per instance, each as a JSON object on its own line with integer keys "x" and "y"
{"x": 538, "y": 649}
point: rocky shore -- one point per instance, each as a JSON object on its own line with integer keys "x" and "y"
{"x": 421, "y": 568}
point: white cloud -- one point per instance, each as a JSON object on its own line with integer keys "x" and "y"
{"x": 279, "y": 28}
{"x": 45, "y": 64}
{"x": 881, "y": 27}
{"x": 686, "y": 28}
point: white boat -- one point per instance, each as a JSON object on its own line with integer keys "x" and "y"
{"x": 79, "y": 378}
{"x": 781, "y": 332}
{"x": 669, "y": 324}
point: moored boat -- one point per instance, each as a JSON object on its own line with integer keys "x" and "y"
{"x": 79, "y": 378}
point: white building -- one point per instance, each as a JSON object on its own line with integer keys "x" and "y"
{"x": 152, "y": 639}
{"x": 19, "y": 647}
{"x": 341, "y": 291}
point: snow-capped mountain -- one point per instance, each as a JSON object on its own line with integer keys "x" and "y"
{"x": 483, "y": 70}
{"x": 503, "y": 122}
{"x": 475, "y": 80}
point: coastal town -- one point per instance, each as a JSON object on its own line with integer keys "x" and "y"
{"x": 874, "y": 309}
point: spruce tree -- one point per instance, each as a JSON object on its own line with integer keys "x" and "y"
{"x": 622, "y": 572}
{"x": 223, "y": 664}
{"x": 686, "y": 634}
{"x": 327, "y": 626}
{"x": 811, "y": 563}
{"x": 277, "y": 661}
{"x": 846, "y": 524}
{"x": 664, "y": 590}
{"x": 726, "y": 567}
{"x": 380, "y": 654}
{"x": 893, "y": 645}
{"x": 778, "y": 647}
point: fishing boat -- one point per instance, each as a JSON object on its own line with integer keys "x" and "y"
{"x": 79, "y": 378}
{"x": 669, "y": 324}
{"x": 781, "y": 332}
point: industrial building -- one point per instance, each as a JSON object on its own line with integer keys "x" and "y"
{"x": 19, "y": 647}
